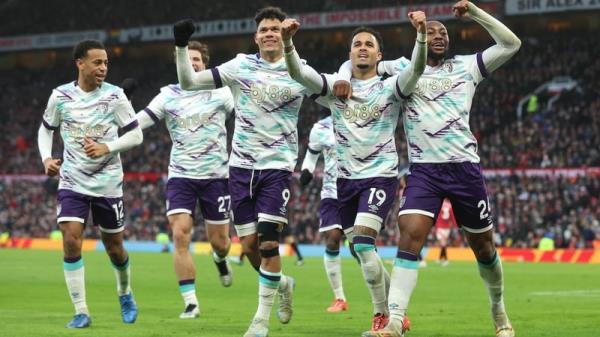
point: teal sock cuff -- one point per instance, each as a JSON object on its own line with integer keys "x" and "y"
{"x": 270, "y": 280}
{"x": 71, "y": 266}
{"x": 363, "y": 247}
{"x": 121, "y": 267}
{"x": 187, "y": 287}
{"x": 490, "y": 264}
{"x": 406, "y": 264}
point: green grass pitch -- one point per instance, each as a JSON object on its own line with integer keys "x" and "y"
{"x": 541, "y": 299}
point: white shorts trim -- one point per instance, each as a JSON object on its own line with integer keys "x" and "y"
{"x": 113, "y": 230}
{"x": 478, "y": 230}
{"x": 70, "y": 218}
{"x": 270, "y": 217}
{"x": 245, "y": 229}
{"x": 328, "y": 228}
{"x": 179, "y": 211}
{"x": 217, "y": 222}
{"x": 416, "y": 211}
{"x": 368, "y": 220}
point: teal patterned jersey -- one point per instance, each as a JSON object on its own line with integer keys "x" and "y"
{"x": 436, "y": 117}
{"x": 322, "y": 140}
{"x": 364, "y": 127}
{"x": 98, "y": 115}
{"x": 196, "y": 122}
{"x": 267, "y": 102}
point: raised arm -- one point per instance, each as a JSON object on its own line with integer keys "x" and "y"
{"x": 188, "y": 78}
{"x": 507, "y": 43}
{"x": 301, "y": 73}
{"x": 408, "y": 77}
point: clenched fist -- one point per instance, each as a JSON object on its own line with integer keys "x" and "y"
{"x": 419, "y": 20}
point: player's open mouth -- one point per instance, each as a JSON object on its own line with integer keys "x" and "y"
{"x": 438, "y": 45}
{"x": 363, "y": 56}
{"x": 270, "y": 42}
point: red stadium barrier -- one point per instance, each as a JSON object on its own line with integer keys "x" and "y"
{"x": 591, "y": 256}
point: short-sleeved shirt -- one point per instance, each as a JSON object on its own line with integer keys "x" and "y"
{"x": 267, "y": 102}
{"x": 364, "y": 127}
{"x": 98, "y": 115}
{"x": 436, "y": 117}
{"x": 196, "y": 122}
{"x": 322, "y": 140}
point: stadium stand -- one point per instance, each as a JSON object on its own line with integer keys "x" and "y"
{"x": 561, "y": 135}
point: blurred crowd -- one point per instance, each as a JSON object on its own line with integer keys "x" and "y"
{"x": 525, "y": 209}
{"x": 108, "y": 15}
{"x": 565, "y": 134}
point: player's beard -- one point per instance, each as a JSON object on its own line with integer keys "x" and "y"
{"x": 362, "y": 66}
{"x": 436, "y": 56}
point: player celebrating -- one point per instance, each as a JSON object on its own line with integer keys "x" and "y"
{"x": 364, "y": 127}
{"x": 445, "y": 164}
{"x": 443, "y": 226}
{"x": 264, "y": 151}
{"x": 322, "y": 140}
{"x": 197, "y": 171}
{"x": 89, "y": 113}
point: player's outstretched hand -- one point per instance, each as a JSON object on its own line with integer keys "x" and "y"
{"x": 305, "y": 177}
{"x": 182, "y": 31}
{"x": 289, "y": 27}
{"x": 129, "y": 86}
{"x": 419, "y": 20}
{"x": 461, "y": 9}
{"x": 51, "y": 166}
{"x": 342, "y": 89}
{"x": 93, "y": 149}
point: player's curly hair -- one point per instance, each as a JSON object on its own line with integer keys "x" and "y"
{"x": 202, "y": 48}
{"x": 80, "y": 50}
{"x": 363, "y": 29}
{"x": 269, "y": 12}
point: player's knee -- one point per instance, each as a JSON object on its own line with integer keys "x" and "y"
{"x": 332, "y": 241}
{"x": 268, "y": 239}
{"x": 249, "y": 244}
{"x": 485, "y": 252}
{"x": 331, "y": 244}
{"x": 268, "y": 233}
{"x": 115, "y": 251}
{"x": 71, "y": 245}
{"x": 219, "y": 243}
{"x": 181, "y": 237}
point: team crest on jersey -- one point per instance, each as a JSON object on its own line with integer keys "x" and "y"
{"x": 102, "y": 107}
{"x": 448, "y": 67}
{"x": 206, "y": 96}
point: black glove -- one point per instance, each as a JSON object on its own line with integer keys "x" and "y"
{"x": 129, "y": 86}
{"x": 305, "y": 177}
{"x": 182, "y": 31}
